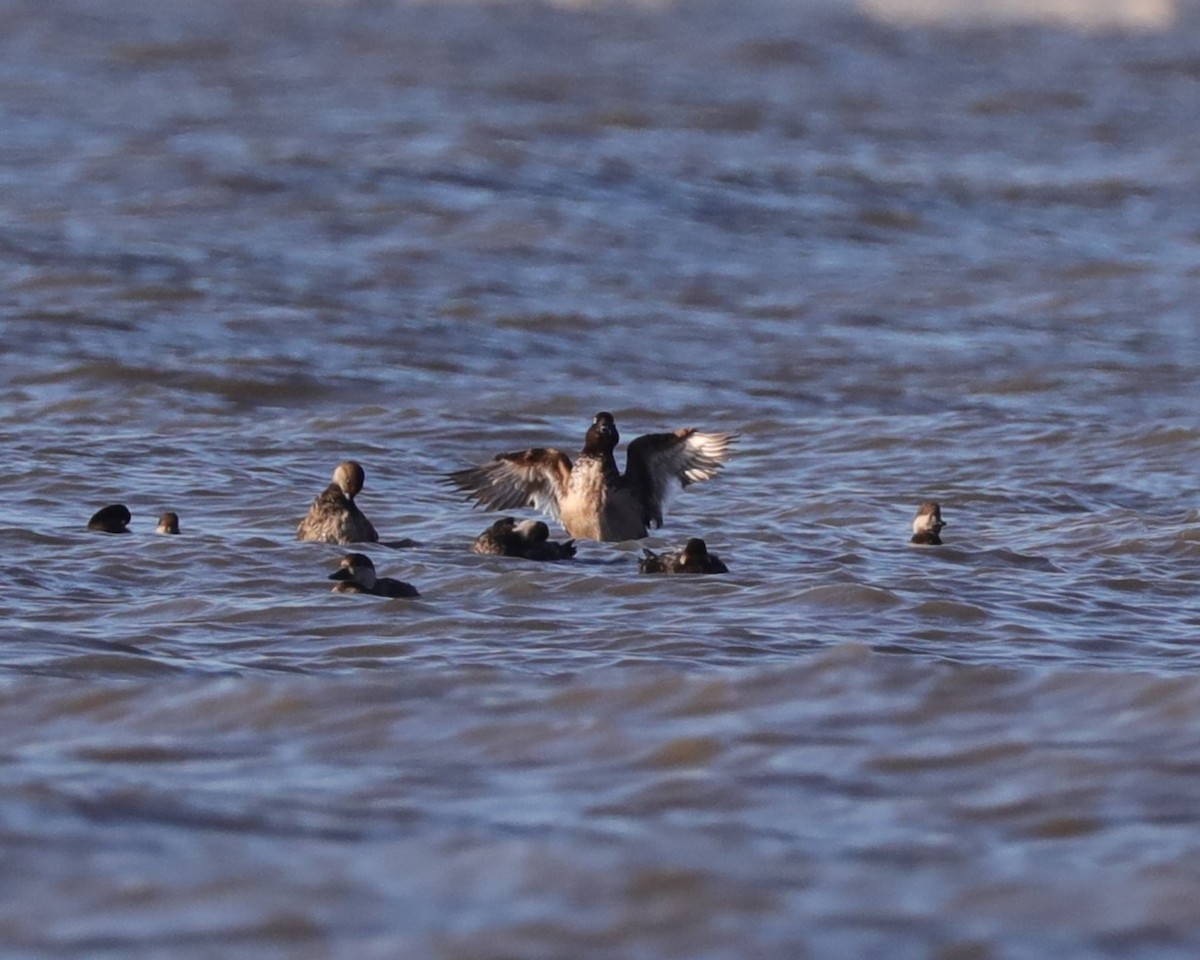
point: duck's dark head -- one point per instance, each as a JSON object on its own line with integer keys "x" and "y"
{"x": 695, "y": 549}
{"x": 534, "y": 531}
{"x": 356, "y": 567}
{"x": 111, "y": 519}
{"x": 602, "y": 436}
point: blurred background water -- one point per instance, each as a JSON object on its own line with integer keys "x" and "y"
{"x": 906, "y": 251}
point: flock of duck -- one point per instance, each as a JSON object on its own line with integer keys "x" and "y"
{"x": 590, "y": 497}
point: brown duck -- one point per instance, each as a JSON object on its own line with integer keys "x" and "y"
{"x": 529, "y": 539}
{"x": 356, "y": 574}
{"x": 927, "y": 524}
{"x": 590, "y": 497}
{"x": 693, "y": 558}
{"x": 334, "y": 517}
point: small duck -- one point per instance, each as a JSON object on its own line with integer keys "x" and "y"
{"x": 334, "y": 517}
{"x": 529, "y": 539}
{"x": 111, "y": 519}
{"x": 168, "y": 523}
{"x": 356, "y": 574}
{"x": 590, "y": 497}
{"x": 927, "y": 524}
{"x": 693, "y": 558}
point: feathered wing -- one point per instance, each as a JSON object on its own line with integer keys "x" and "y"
{"x": 658, "y": 461}
{"x": 328, "y": 503}
{"x": 335, "y": 518}
{"x": 529, "y": 478}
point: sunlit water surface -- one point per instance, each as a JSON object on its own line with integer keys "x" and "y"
{"x": 242, "y": 241}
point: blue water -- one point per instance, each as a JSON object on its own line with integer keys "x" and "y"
{"x": 242, "y": 242}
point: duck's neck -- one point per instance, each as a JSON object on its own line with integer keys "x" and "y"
{"x": 600, "y": 450}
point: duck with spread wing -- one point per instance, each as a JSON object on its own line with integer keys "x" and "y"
{"x": 590, "y": 497}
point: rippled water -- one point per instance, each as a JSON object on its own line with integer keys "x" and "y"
{"x": 241, "y": 242}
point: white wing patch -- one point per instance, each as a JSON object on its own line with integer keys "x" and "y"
{"x": 658, "y": 462}
{"x": 704, "y": 455}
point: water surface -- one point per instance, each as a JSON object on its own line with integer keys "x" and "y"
{"x": 241, "y": 242}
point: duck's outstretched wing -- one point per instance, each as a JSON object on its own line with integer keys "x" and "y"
{"x": 659, "y": 461}
{"x": 529, "y": 478}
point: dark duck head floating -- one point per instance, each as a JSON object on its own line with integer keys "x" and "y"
{"x": 356, "y": 574}
{"x": 111, "y": 519}
{"x": 693, "y": 558}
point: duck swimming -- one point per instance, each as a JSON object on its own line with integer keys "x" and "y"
{"x": 334, "y": 517}
{"x": 356, "y": 574}
{"x": 111, "y": 519}
{"x": 590, "y": 497}
{"x": 693, "y": 558}
{"x": 529, "y": 539}
{"x": 168, "y": 523}
{"x": 927, "y": 524}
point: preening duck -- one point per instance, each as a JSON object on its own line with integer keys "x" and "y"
{"x": 334, "y": 517}
{"x": 529, "y": 539}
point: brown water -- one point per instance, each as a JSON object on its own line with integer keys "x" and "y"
{"x": 242, "y": 241}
